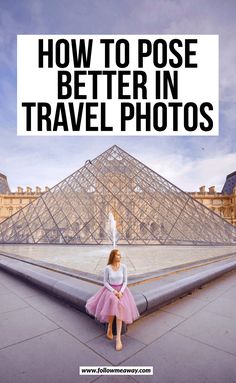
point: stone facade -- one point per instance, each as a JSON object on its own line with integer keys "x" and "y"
{"x": 222, "y": 204}
{"x": 11, "y": 202}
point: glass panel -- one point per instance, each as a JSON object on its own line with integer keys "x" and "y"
{"x": 146, "y": 207}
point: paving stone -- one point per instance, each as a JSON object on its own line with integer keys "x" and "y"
{"x": 167, "y": 319}
{"x": 185, "y": 306}
{"x": 226, "y": 280}
{"x": 209, "y": 292}
{"x": 212, "y": 329}
{"x": 25, "y": 290}
{"x": 3, "y": 289}
{"x": 48, "y": 358}
{"x": 22, "y": 324}
{"x": 229, "y": 277}
{"x": 223, "y": 306}
{"x": 152, "y": 326}
{"x": 46, "y": 303}
{"x": 178, "y": 359}
{"x": 17, "y": 285}
{"x": 231, "y": 293}
{"x": 10, "y": 302}
{"x": 106, "y": 348}
{"x": 200, "y": 348}
{"x": 78, "y": 324}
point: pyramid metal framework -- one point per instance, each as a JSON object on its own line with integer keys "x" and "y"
{"x": 147, "y": 208}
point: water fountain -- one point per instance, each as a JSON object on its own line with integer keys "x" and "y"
{"x": 112, "y": 229}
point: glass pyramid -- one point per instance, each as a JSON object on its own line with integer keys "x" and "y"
{"x": 147, "y": 208}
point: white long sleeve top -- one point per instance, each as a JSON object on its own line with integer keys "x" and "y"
{"x": 118, "y": 277}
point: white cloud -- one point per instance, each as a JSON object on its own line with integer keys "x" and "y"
{"x": 187, "y": 163}
{"x": 189, "y": 174}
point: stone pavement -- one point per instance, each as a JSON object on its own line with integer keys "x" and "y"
{"x": 43, "y": 339}
{"x": 138, "y": 259}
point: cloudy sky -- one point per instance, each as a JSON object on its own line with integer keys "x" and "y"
{"x": 186, "y": 162}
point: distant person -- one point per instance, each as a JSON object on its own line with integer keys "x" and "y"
{"x": 114, "y": 299}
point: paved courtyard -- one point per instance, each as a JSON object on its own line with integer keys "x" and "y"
{"x": 42, "y": 339}
{"x": 139, "y": 259}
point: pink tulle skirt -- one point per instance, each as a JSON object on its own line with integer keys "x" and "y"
{"x": 104, "y": 303}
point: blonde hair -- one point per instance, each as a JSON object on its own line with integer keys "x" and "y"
{"x": 112, "y": 256}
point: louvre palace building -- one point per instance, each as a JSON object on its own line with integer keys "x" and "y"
{"x": 147, "y": 208}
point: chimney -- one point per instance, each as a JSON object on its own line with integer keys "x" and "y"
{"x": 202, "y": 189}
{"x": 28, "y": 190}
{"x": 212, "y": 190}
{"x": 19, "y": 189}
{"x": 38, "y": 190}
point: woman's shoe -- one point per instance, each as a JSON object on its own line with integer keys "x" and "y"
{"x": 118, "y": 345}
{"x": 109, "y": 333}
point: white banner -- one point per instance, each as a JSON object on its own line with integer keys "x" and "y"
{"x": 126, "y": 85}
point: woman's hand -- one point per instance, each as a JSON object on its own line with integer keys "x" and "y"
{"x": 118, "y": 294}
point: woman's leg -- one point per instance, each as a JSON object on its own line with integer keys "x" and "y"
{"x": 109, "y": 327}
{"x": 118, "y": 336}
